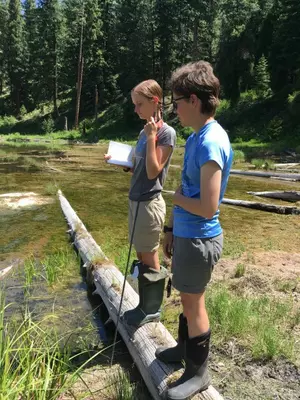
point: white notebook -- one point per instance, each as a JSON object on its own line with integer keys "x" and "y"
{"x": 121, "y": 154}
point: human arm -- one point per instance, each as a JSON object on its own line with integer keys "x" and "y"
{"x": 210, "y": 187}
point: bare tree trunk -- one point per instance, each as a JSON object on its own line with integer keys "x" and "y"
{"x": 55, "y": 89}
{"x": 79, "y": 74}
{"x": 96, "y": 102}
{"x": 66, "y": 124}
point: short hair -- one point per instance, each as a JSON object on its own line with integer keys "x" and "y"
{"x": 197, "y": 78}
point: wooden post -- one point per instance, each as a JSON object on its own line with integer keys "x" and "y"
{"x": 108, "y": 280}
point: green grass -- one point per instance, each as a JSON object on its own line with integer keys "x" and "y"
{"x": 56, "y": 265}
{"x": 240, "y": 270}
{"x": 238, "y": 156}
{"x": 36, "y": 363}
{"x": 30, "y": 273}
{"x": 262, "y": 324}
{"x": 263, "y": 164}
{"x": 121, "y": 388}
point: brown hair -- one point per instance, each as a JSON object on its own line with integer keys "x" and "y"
{"x": 149, "y": 89}
{"x": 198, "y": 78}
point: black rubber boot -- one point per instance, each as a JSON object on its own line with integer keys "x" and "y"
{"x": 195, "y": 378}
{"x": 175, "y": 354}
{"x": 151, "y": 290}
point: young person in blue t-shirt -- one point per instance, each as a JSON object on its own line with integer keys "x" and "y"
{"x": 194, "y": 233}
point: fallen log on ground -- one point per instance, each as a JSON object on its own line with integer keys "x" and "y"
{"x": 274, "y": 175}
{"x": 281, "y": 195}
{"x": 287, "y": 165}
{"x": 288, "y": 210}
{"x": 108, "y": 280}
{"x": 257, "y": 206}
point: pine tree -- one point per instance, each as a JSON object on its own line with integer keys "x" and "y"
{"x": 262, "y": 77}
{"x": 15, "y": 53}
{"x": 285, "y": 54}
{"x": 50, "y": 33}
{"x": 3, "y": 33}
{"x": 31, "y": 53}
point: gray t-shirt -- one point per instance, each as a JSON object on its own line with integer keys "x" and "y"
{"x": 141, "y": 187}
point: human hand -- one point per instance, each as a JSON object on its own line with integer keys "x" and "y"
{"x": 177, "y": 195}
{"x": 150, "y": 129}
{"x": 107, "y": 157}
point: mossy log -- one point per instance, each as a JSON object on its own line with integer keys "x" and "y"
{"x": 142, "y": 342}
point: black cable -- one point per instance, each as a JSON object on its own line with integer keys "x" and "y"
{"x": 125, "y": 277}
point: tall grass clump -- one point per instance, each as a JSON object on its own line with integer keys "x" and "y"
{"x": 238, "y": 156}
{"x": 57, "y": 264}
{"x": 32, "y": 366}
{"x": 262, "y": 324}
{"x": 30, "y": 273}
{"x": 121, "y": 388}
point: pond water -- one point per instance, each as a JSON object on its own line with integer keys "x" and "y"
{"x": 33, "y": 227}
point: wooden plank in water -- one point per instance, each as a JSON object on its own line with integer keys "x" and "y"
{"x": 142, "y": 342}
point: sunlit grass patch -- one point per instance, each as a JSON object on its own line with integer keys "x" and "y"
{"x": 262, "y": 324}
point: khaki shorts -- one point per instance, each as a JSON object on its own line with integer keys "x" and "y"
{"x": 193, "y": 261}
{"x": 149, "y": 223}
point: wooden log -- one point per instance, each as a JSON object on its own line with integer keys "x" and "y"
{"x": 274, "y": 175}
{"x": 281, "y": 195}
{"x": 263, "y": 207}
{"x": 257, "y": 206}
{"x": 287, "y": 165}
{"x": 5, "y": 271}
{"x": 142, "y": 342}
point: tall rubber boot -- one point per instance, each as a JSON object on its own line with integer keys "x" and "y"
{"x": 175, "y": 354}
{"x": 151, "y": 290}
{"x": 195, "y": 378}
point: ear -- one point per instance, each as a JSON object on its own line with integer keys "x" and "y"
{"x": 197, "y": 103}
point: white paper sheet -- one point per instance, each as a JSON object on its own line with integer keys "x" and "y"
{"x": 121, "y": 154}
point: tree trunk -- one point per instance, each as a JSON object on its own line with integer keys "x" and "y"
{"x": 256, "y": 206}
{"x": 66, "y": 124}
{"x": 55, "y": 85}
{"x": 274, "y": 175}
{"x": 79, "y": 75}
{"x": 263, "y": 206}
{"x": 285, "y": 195}
{"x": 143, "y": 342}
{"x": 96, "y": 102}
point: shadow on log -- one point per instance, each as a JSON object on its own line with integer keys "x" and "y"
{"x": 108, "y": 280}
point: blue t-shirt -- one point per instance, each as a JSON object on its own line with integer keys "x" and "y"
{"x": 211, "y": 143}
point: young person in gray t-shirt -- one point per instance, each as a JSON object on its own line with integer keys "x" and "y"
{"x": 152, "y": 156}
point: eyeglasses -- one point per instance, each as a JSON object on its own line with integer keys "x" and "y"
{"x": 174, "y": 102}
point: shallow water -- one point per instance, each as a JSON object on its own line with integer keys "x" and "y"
{"x": 98, "y": 193}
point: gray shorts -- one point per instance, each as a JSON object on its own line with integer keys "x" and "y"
{"x": 193, "y": 261}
